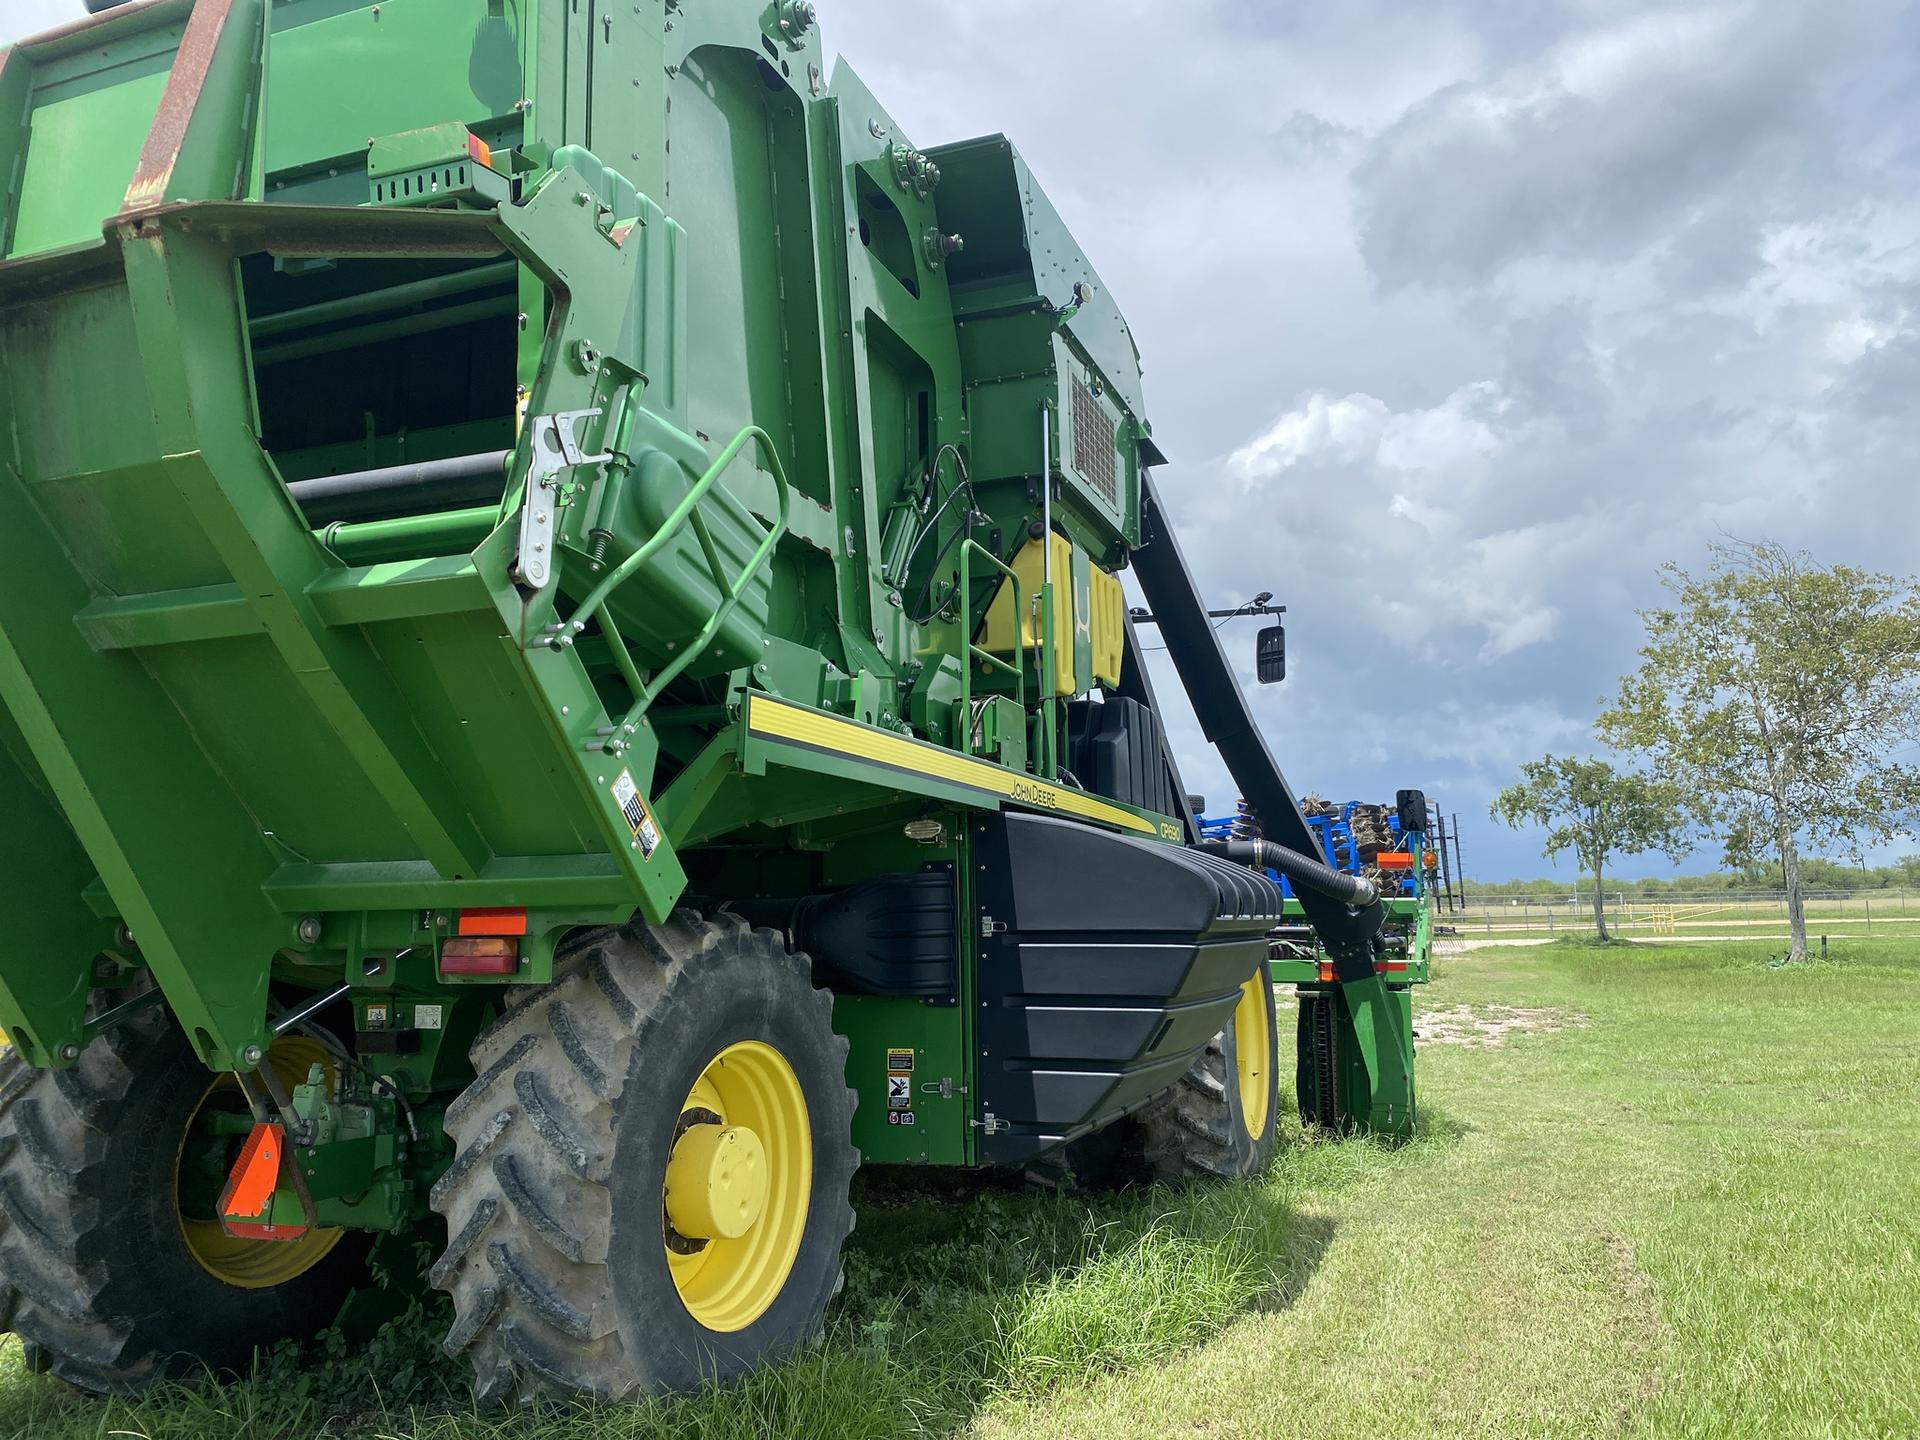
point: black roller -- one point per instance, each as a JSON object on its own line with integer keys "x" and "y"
{"x": 416, "y": 489}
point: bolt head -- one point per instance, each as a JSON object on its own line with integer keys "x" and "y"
{"x": 309, "y": 929}
{"x": 69, "y": 1053}
{"x": 254, "y": 1055}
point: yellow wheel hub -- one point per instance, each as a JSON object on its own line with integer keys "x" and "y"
{"x": 1253, "y": 1048}
{"x": 738, "y": 1186}
{"x": 249, "y": 1264}
{"x": 717, "y": 1182}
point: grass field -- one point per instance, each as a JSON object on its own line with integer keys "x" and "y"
{"x": 1689, "y": 1212}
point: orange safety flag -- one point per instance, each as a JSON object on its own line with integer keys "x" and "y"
{"x": 248, "y": 1198}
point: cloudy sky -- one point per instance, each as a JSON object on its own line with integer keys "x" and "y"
{"x": 1460, "y": 316}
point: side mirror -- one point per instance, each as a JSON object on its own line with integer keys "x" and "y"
{"x": 1412, "y": 805}
{"x": 1270, "y": 657}
{"x": 1197, "y": 804}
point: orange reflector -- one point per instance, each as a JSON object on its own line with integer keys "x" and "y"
{"x": 479, "y": 150}
{"x": 1326, "y": 971}
{"x": 256, "y": 1174}
{"x": 1394, "y": 860}
{"x": 505, "y": 921}
{"x": 480, "y": 956}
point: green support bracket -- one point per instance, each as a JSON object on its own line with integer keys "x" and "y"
{"x": 1355, "y": 1069}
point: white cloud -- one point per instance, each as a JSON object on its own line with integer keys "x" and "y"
{"x": 1614, "y": 140}
{"x": 1407, "y": 514}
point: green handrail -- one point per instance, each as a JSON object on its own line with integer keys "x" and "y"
{"x": 647, "y": 691}
{"x": 1017, "y": 669}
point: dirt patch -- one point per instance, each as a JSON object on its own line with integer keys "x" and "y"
{"x": 1489, "y": 1026}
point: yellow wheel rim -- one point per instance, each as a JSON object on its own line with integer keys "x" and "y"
{"x": 1253, "y": 1048}
{"x": 739, "y": 1182}
{"x": 247, "y": 1264}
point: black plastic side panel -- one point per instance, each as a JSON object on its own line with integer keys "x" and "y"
{"x": 1106, "y": 963}
{"x": 894, "y": 935}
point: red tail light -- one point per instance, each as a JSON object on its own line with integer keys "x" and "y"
{"x": 480, "y": 955}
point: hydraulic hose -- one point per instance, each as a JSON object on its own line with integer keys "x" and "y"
{"x": 1354, "y": 890}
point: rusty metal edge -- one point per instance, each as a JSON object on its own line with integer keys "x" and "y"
{"x": 75, "y": 29}
{"x": 205, "y": 27}
{"x": 253, "y": 227}
{"x": 323, "y": 231}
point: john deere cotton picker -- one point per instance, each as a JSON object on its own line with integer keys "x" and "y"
{"x": 564, "y": 685}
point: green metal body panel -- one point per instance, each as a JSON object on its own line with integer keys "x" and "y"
{"x": 763, "y": 378}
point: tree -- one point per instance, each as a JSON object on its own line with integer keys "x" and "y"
{"x": 1595, "y": 811}
{"x": 1775, "y": 694}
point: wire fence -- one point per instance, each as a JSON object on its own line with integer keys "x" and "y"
{"x": 1759, "y": 912}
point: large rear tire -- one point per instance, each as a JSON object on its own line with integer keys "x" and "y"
{"x": 1219, "y": 1121}
{"x": 113, "y": 1269}
{"x": 650, "y": 1187}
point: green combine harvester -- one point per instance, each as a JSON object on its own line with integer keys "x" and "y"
{"x": 563, "y": 684}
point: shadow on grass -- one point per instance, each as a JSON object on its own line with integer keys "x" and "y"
{"x": 960, "y": 1291}
{"x": 1440, "y": 1126}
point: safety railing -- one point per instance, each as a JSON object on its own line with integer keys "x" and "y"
{"x": 1016, "y": 667}
{"x": 686, "y": 513}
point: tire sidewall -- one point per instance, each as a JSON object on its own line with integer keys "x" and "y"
{"x": 722, "y": 999}
{"x": 179, "y": 1310}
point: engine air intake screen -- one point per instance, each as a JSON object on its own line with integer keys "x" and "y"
{"x": 1093, "y": 455}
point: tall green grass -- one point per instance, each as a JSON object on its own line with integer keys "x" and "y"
{"x": 1693, "y": 1216}
{"x": 959, "y": 1293}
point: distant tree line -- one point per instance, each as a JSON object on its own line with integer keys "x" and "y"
{"x": 1815, "y": 874}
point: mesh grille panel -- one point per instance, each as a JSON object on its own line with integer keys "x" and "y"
{"x": 1093, "y": 454}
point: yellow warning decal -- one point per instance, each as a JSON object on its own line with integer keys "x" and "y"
{"x": 778, "y": 720}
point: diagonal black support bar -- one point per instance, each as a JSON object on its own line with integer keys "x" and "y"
{"x": 1228, "y": 723}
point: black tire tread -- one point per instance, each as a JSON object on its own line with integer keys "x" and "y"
{"x": 51, "y": 1280}
{"x": 1195, "y": 1131}
{"x": 527, "y": 1268}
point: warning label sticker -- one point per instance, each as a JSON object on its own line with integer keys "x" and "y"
{"x": 427, "y": 1017}
{"x": 900, "y": 1117}
{"x": 376, "y": 1017}
{"x": 627, "y": 796}
{"x": 899, "y": 1092}
{"x": 899, "y": 1062}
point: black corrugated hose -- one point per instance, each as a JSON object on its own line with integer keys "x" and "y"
{"x": 1353, "y": 890}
